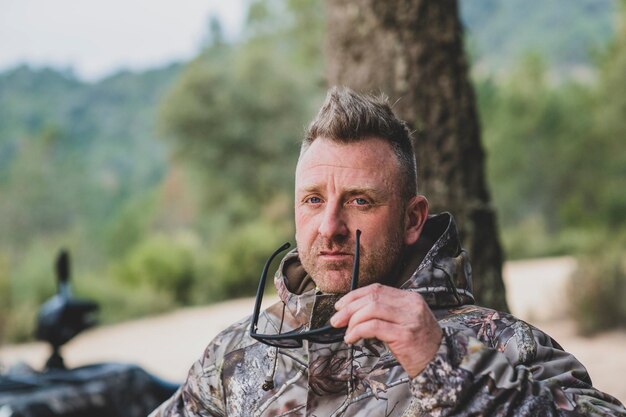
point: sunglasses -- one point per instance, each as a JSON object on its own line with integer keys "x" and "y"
{"x": 293, "y": 339}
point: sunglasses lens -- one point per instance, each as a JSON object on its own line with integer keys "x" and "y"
{"x": 330, "y": 336}
{"x": 290, "y": 339}
{"x": 293, "y": 339}
{"x": 279, "y": 342}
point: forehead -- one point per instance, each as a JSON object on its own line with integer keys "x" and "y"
{"x": 368, "y": 160}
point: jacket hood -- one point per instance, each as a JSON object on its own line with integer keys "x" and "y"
{"x": 443, "y": 276}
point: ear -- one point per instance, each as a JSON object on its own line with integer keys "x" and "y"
{"x": 415, "y": 217}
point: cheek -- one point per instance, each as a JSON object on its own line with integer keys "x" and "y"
{"x": 382, "y": 233}
{"x": 304, "y": 225}
{"x": 381, "y": 225}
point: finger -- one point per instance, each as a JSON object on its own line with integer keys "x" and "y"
{"x": 373, "y": 296}
{"x": 394, "y": 305}
{"x": 374, "y": 329}
{"x": 392, "y": 313}
{"x": 390, "y": 331}
{"x": 355, "y": 295}
{"x": 410, "y": 312}
{"x": 363, "y": 292}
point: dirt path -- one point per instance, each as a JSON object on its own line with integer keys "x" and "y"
{"x": 168, "y": 344}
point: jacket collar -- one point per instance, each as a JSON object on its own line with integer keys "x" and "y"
{"x": 444, "y": 276}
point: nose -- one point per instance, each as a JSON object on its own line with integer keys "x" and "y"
{"x": 333, "y": 224}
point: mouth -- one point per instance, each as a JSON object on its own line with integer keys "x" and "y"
{"x": 335, "y": 255}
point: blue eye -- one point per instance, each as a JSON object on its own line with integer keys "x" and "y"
{"x": 314, "y": 200}
{"x": 360, "y": 201}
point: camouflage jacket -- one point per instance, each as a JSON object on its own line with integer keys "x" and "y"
{"x": 488, "y": 363}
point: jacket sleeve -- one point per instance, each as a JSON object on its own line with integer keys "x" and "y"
{"x": 523, "y": 378}
{"x": 201, "y": 395}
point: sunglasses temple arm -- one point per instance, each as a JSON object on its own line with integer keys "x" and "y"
{"x": 357, "y": 256}
{"x": 261, "y": 289}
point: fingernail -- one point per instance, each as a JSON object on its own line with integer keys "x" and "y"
{"x": 333, "y": 319}
{"x": 338, "y": 304}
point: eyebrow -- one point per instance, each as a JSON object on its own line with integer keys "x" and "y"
{"x": 376, "y": 193}
{"x": 364, "y": 190}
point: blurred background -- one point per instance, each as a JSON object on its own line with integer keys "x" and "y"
{"x": 157, "y": 142}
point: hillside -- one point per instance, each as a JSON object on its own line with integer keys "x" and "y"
{"x": 72, "y": 141}
{"x": 97, "y": 140}
{"x": 566, "y": 34}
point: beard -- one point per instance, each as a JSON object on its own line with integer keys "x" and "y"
{"x": 377, "y": 264}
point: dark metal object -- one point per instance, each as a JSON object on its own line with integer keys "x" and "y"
{"x": 62, "y": 317}
{"x": 95, "y": 390}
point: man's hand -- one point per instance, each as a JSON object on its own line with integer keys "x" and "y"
{"x": 401, "y": 319}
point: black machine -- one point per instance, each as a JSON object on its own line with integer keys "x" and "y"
{"x": 98, "y": 390}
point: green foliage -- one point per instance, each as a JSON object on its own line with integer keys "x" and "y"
{"x": 163, "y": 263}
{"x": 236, "y": 115}
{"x": 218, "y": 113}
{"x": 80, "y": 165}
{"x": 72, "y": 152}
{"x": 5, "y": 295}
{"x": 529, "y": 125}
{"x": 34, "y": 172}
{"x": 556, "y": 172}
{"x": 20, "y": 322}
{"x": 72, "y": 155}
{"x": 120, "y": 301}
{"x": 562, "y": 32}
{"x": 530, "y": 238}
{"x": 609, "y": 117}
{"x": 131, "y": 224}
{"x": 598, "y": 286}
{"x": 33, "y": 280}
{"x": 235, "y": 264}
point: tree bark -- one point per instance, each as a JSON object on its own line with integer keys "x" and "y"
{"x": 412, "y": 50}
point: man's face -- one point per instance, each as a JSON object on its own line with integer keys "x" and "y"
{"x": 341, "y": 188}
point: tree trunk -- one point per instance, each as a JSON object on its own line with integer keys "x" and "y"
{"x": 412, "y": 50}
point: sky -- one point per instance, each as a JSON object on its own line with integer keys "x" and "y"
{"x": 97, "y": 38}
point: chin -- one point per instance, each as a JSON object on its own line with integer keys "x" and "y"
{"x": 334, "y": 282}
{"x": 334, "y": 290}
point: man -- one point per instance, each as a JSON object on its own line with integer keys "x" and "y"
{"x": 414, "y": 342}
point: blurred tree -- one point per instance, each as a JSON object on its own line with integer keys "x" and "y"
{"x": 412, "y": 50}
{"x": 558, "y": 177}
{"x": 236, "y": 111}
{"x": 160, "y": 262}
{"x": 131, "y": 224}
{"x": 530, "y": 124}
{"x": 611, "y": 122}
{"x": 5, "y": 295}
{"x": 563, "y": 33}
{"x": 37, "y": 203}
{"x": 235, "y": 118}
{"x": 214, "y": 34}
{"x": 598, "y": 286}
